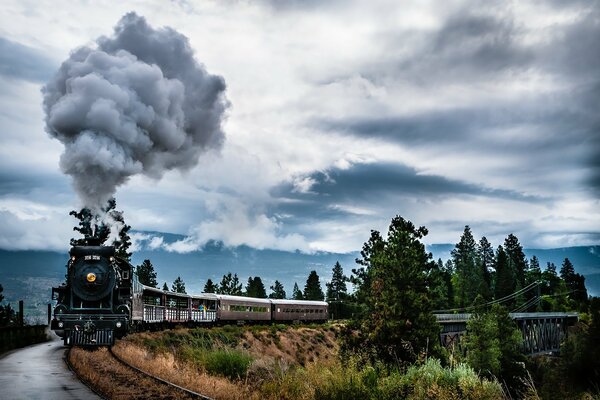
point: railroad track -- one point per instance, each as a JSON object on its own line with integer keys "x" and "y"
{"x": 190, "y": 393}
{"x": 127, "y": 381}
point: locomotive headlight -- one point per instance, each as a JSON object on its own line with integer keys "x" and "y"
{"x": 91, "y": 277}
{"x": 61, "y": 324}
{"x": 111, "y": 259}
{"x": 118, "y": 324}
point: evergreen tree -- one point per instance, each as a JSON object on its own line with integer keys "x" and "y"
{"x": 468, "y": 275}
{"x": 210, "y": 287}
{"x": 575, "y": 284}
{"x": 256, "y": 288}
{"x": 296, "y": 293}
{"x": 96, "y": 230}
{"x": 550, "y": 279}
{"x": 505, "y": 281}
{"x": 486, "y": 264}
{"x": 178, "y": 285}
{"x": 534, "y": 273}
{"x": 438, "y": 286}
{"x": 492, "y": 344}
{"x": 277, "y": 291}
{"x": 448, "y": 275}
{"x": 1, "y": 295}
{"x": 516, "y": 259}
{"x": 123, "y": 242}
{"x": 146, "y": 274}
{"x": 230, "y": 284}
{"x": 398, "y": 323}
{"x": 567, "y": 270}
{"x": 312, "y": 289}
{"x": 336, "y": 289}
{"x": 165, "y": 287}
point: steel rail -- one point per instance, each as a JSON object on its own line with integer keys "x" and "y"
{"x": 156, "y": 378}
{"x": 79, "y": 377}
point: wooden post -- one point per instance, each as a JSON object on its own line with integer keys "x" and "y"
{"x": 20, "y": 312}
{"x": 49, "y": 313}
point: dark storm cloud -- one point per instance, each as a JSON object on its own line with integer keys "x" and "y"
{"x": 23, "y": 62}
{"x": 484, "y": 43}
{"x": 361, "y": 183}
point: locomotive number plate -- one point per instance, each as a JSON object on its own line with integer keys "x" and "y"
{"x": 92, "y": 257}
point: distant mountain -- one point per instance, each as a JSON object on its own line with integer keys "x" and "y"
{"x": 30, "y": 274}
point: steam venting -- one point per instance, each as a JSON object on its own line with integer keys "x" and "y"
{"x": 134, "y": 103}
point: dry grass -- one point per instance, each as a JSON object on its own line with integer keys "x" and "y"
{"x": 300, "y": 346}
{"x": 115, "y": 381}
{"x": 166, "y": 367}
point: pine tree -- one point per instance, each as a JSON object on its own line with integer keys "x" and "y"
{"x": 567, "y": 271}
{"x": 296, "y": 293}
{"x": 165, "y": 287}
{"x": 505, "y": 281}
{"x": 336, "y": 289}
{"x": 486, "y": 264}
{"x": 96, "y": 230}
{"x": 210, "y": 287}
{"x": 312, "y": 289}
{"x": 398, "y": 323}
{"x": 516, "y": 258}
{"x": 277, "y": 291}
{"x": 146, "y": 274}
{"x": 256, "y": 288}
{"x": 178, "y": 285}
{"x": 231, "y": 285}
{"x": 468, "y": 275}
{"x": 438, "y": 286}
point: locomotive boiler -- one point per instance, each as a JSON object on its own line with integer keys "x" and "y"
{"x": 93, "y": 307}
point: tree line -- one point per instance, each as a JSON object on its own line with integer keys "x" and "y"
{"x": 231, "y": 285}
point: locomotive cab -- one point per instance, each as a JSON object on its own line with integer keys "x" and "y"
{"x": 94, "y": 305}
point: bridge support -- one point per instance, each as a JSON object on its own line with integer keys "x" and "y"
{"x": 542, "y": 332}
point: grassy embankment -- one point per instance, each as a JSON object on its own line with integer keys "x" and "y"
{"x": 284, "y": 362}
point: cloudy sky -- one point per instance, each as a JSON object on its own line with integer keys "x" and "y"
{"x": 341, "y": 114}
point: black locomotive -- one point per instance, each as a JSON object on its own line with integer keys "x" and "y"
{"x": 103, "y": 300}
{"x": 94, "y": 305}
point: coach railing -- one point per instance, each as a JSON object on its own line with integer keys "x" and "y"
{"x": 203, "y": 315}
{"x": 154, "y": 313}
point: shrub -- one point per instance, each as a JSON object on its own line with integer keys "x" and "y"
{"x": 232, "y": 364}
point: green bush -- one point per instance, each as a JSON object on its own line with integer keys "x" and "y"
{"x": 232, "y": 364}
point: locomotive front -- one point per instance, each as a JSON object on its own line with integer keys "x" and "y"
{"x": 94, "y": 304}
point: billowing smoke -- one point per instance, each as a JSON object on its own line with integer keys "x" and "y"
{"x": 136, "y": 102}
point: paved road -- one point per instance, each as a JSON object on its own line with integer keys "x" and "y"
{"x": 39, "y": 372}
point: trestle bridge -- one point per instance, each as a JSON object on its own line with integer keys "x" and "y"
{"x": 542, "y": 332}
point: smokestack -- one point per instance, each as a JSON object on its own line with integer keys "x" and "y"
{"x": 135, "y": 103}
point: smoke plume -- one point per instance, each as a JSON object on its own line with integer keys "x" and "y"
{"x": 135, "y": 103}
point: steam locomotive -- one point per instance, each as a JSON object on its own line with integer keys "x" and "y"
{"x": 103, "y": 299}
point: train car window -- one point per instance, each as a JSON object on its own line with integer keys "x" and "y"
{"x": 278, "y": 309}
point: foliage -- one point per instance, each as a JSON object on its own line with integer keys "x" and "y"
{"x": 96, "y": 228}
{"x": 165, "y": 287}
{"x": 493, "y": 344}
{"x": 230, "y": 284}
{"x": 146, "y": 274}
{"x": 419, "y": 382}
{"x": 336, "y": 289}
{"x": 210, "y": 287}
{"x": 229, "y": 363}
{"x": 7, "y": 313}
{"x": 296, "y": 293}
{"x": 468, "y": 274}
{"x": 256, "y": 288}
{"x": 277, "y": 291}
{"x": 178, "y": 285}
{"x": 398, "y": 323}
{"x": 312, "y": 289}
{"x": 505, "y": 279}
